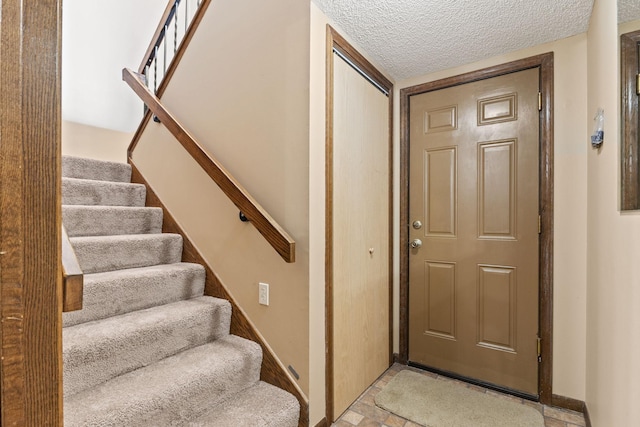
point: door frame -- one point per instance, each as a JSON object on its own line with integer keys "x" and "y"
{"x": 545, "y": 307}
{"x": 629, "y": 158}
{"x": 337, "y": 42}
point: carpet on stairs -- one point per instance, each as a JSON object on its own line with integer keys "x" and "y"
{"x": 148, "y": 348}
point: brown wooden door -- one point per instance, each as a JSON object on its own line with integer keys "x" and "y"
{"x": 473, "y": 284}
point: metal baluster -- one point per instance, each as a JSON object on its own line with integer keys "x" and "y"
{"x": 186, "y": 15}
{"x": 175, "y": 29}
{"x": 164, "y": 43}
{"x": 155, "y": 70}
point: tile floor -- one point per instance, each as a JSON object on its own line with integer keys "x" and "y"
{"x": 364, "y": 412}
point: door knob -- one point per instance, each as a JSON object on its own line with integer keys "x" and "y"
{"x": 416, "y": 243}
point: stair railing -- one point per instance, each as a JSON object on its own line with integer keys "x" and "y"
{"x": 174, "y": 27}
{"x": 264, "y": 223}
{"x": 72, "y": 276}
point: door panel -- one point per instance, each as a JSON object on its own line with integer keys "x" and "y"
{"x": 440, "y": 186}
{"x": 473, "y": 284}
{"x": 439, "y": 299}
{"x": 360, "y": 225}
{"x": 496, "y": 187}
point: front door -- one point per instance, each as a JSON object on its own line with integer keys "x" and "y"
{"x": 473, "y": 209}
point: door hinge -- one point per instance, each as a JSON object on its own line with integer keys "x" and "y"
{"x": 638, "y": 84}
{"x": 539, "y": 224}
{"x": 539, "y": 101}
{"x": 539, "y": 344}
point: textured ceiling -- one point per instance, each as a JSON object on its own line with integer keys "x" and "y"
{"x": 628, "y": 10}
{"x": 408, "y": 38}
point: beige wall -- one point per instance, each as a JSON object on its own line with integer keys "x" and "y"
{"x": 243, "y": 90}
{"x": 95, "y": 143}
{"x": 570, "y": 198}
{"x": 613, "y": 309}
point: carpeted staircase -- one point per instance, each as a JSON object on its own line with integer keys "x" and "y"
{"x": 148, "y": 348}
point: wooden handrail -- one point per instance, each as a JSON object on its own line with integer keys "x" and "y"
{"x": 72, "y": 276}
{"x": 266, "y": 225}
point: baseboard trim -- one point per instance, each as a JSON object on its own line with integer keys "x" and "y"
{"x": 587, "y": 417}
{"x": 322, "y": 423}
{"x": 567, "y": 403}
{"x": 572, "y": 404}
{"x": 273, "y": 371}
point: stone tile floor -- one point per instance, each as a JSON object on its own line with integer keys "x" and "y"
{"x": 364, "y": 412}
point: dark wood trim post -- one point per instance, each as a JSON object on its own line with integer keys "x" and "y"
{"x": 30, "y": 169}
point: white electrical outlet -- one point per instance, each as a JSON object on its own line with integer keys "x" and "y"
{"x": 263, "y": 293}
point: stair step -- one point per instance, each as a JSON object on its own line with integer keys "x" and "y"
{"x": 172, "y": 391}
{"x": 98, "y": 351}
{"x": 110, "y": 220}
{"x": 78, "y": 167}
{"x": 106, "y": 253}
{"x": 89, "y": 192}
{"x": 261, "y": 405}
{"x": 148, "y": 349}
{"x": 118, "y": 292}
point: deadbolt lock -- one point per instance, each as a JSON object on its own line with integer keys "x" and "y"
{"x": 417, "y": 225}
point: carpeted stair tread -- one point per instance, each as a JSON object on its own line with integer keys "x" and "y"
{"x": 89, "y": 192}
{"x": 105, "y": 253}
{"x": 172, "y": 391}
{"x": 261, "y": 405}
{"x": 148, "y": 349}
{"x": 82, "y": 220}
{"x": 79, "y": 167}
{"x": 97, "y": 351}
{"x": 117, "y": 292}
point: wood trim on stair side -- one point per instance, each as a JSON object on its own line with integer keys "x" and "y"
{"x": 272, "y": 370}
{"x": 72, "y": 276}
{"x": 156, "y": 34}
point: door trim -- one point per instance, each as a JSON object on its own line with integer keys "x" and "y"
{"x": 545, "y": 63}
{"x": 629, "y": 158}
{"x": 337, "y": 42}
